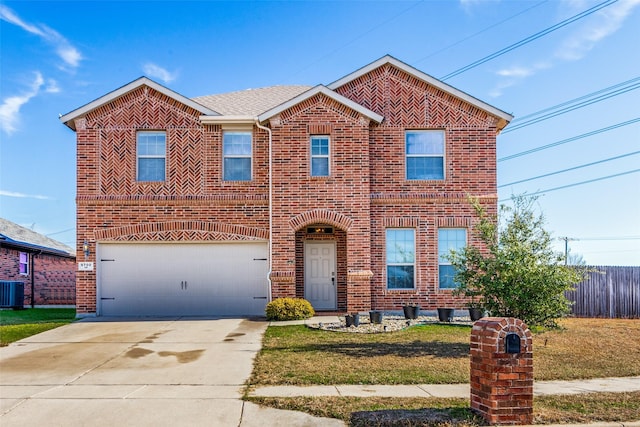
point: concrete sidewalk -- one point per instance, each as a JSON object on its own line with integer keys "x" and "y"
{"x": 613, "y": 385}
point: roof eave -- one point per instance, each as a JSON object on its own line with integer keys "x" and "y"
{"x": 228, "y": 120}
{"x": 30, "y": 247}
{"x": 503, "y": 117}
{"x": 68, "y": 119}
{"x": 327, "y": 92}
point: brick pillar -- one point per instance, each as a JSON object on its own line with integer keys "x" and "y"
{"x": 283, "y": 284}
{"x": 359, "y": 290}
{"x": 502, "y": 381}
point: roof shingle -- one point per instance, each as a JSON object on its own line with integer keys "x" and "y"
{"x": 13, "y": 233}
{"x": 250, "y": 102}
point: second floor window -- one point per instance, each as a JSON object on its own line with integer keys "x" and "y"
{"x": 424, "y": 151}
{"x": 236, "y": 152}
{"x": 151, "y": 153}
{"x": 320, "y": 156}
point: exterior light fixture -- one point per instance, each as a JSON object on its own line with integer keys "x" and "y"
{"x": 85, "y": 248}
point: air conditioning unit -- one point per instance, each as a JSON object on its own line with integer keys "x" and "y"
{"x": 11, "y": 294}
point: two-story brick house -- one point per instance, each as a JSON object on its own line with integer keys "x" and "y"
{"x": 345, "y": 194}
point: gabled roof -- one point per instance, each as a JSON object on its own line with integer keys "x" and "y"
{"x": 68, "y": 119}
{"x": 14, "y": 235}
{"x": 388, "y": 59}
{"x": 250, "y": 102}
{"x": 326, "y": 92}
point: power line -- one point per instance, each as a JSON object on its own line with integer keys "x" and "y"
{"x": 60, "y": 232}
{"x": 517, "y": 119}
{"x": 578, "y": 183}
{"x": 370, "y": 30}
{"x": 574, "y": 107}
{"x": 612, "y": 238}
{"x": 574, "y": 138}
{"x": 570, "y": 169}
{"x": 530, "y": 39}
{"x": 481, "y": 31}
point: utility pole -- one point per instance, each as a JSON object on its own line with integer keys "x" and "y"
{"x": 566, "y": 247}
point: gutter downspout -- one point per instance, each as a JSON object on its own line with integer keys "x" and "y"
{"x": 257, "y": 123}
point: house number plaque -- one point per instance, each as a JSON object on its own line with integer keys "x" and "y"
{"x": 85, "y": 266}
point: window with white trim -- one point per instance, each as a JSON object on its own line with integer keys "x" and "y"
{"x": 424, "y": 150}
{"x": 320, "y": 151}
{"x": 401, "y": 249}
{"x": 448, "y": 239}
{"x": 24, "y": 263}
{"x": 236, "y": 152}
{"x": 151, "y": 150}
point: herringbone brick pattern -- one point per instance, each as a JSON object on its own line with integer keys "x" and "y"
{"x": 175, "y": 231}
{"x": 408, "y": 102}
{"x": 143, "y": 109}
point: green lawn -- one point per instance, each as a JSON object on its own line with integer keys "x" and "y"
{"x": 18, "y": 324}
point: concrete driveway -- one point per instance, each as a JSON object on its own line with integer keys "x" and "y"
{"x": 161, "y": 372}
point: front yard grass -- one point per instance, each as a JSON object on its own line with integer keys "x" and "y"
{"x": 439, "y": 354}
{"x": 18, "y": 324}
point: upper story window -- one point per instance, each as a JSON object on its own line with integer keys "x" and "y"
{"x": 24, "y": 263}
{"x": 151, "y": 153}
{"x": 320, "y": 151}
{"x": 424, "y": 151}
{"x": 401, "y": 250}
{"x": 236, "y": 151}
{"x": 448, "y": 239}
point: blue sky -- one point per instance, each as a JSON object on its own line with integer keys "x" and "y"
{"x": 57, "y": 56}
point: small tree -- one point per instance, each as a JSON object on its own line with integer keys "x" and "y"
{"x": 517, "y": 273}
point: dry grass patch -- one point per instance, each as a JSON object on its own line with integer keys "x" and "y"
{"x": 588, "y": 348}
{"x": 437, "y": 354}
{"x": 436, "y": 412}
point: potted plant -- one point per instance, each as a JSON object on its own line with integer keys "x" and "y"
{"x": 445, "y": 314}
{"x": 411, "y": 311}
{"x": 375, "y": 316}
{"x": 352, "y": 319}
{"x": 475, "y": 304}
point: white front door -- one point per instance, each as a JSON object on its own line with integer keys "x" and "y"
{"x": 320, "y": 275}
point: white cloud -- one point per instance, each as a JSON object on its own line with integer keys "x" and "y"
{"x": 599, "y": 26}
{"x": 596, "y": 28}
{"x": 68, "y": 53}
{"x": 516, "y": 72}
{"x": 23, "y": 195}
{"x": 156, "y": 71}
{"x": 52, "y": 86}
{"x": 10, "y": 107}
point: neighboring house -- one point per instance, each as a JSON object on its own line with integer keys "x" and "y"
{"x": 45, "y": 266}
{"x": 344, "y": 194}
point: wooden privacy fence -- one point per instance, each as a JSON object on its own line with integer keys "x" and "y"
{"x": 611, "y": 292}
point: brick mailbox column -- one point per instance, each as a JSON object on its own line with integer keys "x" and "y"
{"x": 502, "y": 371}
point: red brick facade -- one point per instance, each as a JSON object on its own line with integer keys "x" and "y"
{"x": 51, "y": 277}
{"x": 365, "y": 193}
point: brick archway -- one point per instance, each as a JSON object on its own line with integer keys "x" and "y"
{"x": 320, "y": 216}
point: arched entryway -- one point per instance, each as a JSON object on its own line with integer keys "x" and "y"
{"x": 321, "y": 266}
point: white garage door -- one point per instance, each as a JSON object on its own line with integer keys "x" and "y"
{"x": 187, "y": 279}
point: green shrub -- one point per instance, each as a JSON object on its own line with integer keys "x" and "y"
{"x": 289, "y": 309}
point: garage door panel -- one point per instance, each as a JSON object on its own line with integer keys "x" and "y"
{"x": 183, "y": 279}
